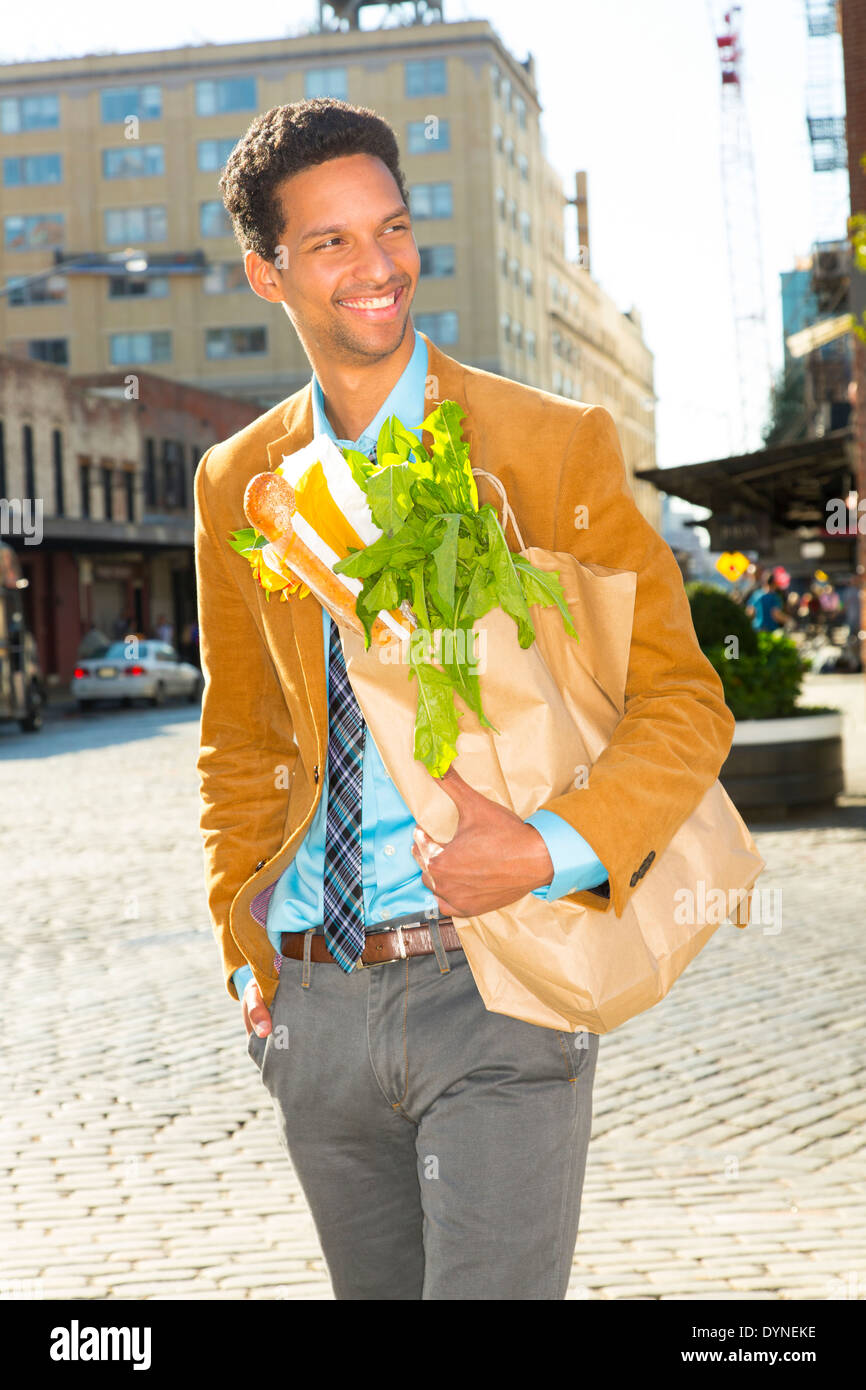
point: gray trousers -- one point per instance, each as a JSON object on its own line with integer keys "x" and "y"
{"x": 441, "y": 1148}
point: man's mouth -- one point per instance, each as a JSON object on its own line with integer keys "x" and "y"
{"x": 375, "y": 308}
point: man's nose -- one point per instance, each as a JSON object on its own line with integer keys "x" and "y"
{"x": 373, "y": 264}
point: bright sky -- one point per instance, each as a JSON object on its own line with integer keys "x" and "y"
{"x": 630, "y": 91}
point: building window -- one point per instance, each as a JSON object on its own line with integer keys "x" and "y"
{"x": 32, "y": 233}
{"x": 212, "y": 154}
{"x": 57, "y": 469}
{"x": 526, "y": 227}
{"x": 431, "y": 200}
{"x": 509, "y": 150}
{"x": 129, "y": 489}
{"x": 505, "y": 322}
{"x": 173, "y": 474}
{"x": 49, "y": 350}
{"x": 528, "y": 284}
{"x": 326, "y": 82}
{"x": 118, "y": 103}
{"x": 29, "y": 113}
{"x": 426, "y": 77}
{"x": 530, "y": 345}
{"x": 520, "y": 109}
{"x": 106, "y": 477}
{"x": 523, "y": 166}
{"x": 225, "y": 277}
{"x": 496, "y": 79}
{"x": 150, "y": 497}
{"x": 50, "y": 290}
{"x": 436, "y": 260}
{"x": 18, "y": 171}
{"x": 512, "y": 213}
{"x": 84, "y": 487}
{"x": 506, "y": 93}
{"x": 500, "y": 203}
{"x": 235, "y": 342}
{"x": 128, "y": 226}
{"x": 138, "y": 287}
{"x": 429, "y": 137}
{"x": 518, "y": 335}
{"x": 442, "y": 328}
{"x": 225, "y": 94}
{"x": 213, "y": 220}
{"x": 29, "y": 462}
{"x": 139, "y": 347}
{"x": 133, "y": 162}
{"x": 497, "y": 138}
{"x": 503, "y": 262}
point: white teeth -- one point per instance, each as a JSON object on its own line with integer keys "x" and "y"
{"x": 371, "y": 303}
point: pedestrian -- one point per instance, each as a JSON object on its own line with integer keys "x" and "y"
{"x": 767, "y": 607}
{"x": 164, "y": 631}
{"x": 441, "y": 1146}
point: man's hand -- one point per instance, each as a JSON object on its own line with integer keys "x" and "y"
{"x": 255, "y": 1013}
{"x": 493, "y": 859}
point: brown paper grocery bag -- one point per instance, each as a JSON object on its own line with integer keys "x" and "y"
{"x": 556, "y": 704}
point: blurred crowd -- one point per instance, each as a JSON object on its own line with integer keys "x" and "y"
{"x": 817, "y": 612}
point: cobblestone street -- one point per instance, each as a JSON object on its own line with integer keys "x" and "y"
{"x": 138, "y": 1148}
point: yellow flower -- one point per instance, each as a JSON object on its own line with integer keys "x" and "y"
{"x": 272, "y": 582}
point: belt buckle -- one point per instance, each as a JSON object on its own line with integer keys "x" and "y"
{"x": 361, "y": 964}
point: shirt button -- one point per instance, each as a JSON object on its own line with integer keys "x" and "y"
{"x": 384, "y": 914}
{"x": 389, "y": 849}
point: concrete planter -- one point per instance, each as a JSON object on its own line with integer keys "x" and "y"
{"x": 777, "y": 763}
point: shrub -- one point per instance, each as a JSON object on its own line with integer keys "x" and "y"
{"x": 716, "y": 617}
{"x": 763, "y": 680}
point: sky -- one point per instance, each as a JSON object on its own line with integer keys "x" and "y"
{"x": 630, "y": 93}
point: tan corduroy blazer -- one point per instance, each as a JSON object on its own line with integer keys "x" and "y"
{"x": 264, "y": 723}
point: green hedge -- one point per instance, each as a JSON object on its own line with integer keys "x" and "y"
{"x": 764, "y": 678}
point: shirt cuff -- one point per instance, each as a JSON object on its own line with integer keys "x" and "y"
{"x": 575, "y": 865}
{"x": 244, "y": 973}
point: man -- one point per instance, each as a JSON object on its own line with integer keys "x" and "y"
{"x": 766, "y": 607}
{"x": 441, "y": 1147}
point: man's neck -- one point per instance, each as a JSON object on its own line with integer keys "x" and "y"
{"x": 353, "y": 395}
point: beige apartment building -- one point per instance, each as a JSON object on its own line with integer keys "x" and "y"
{"x": 108, "y": 155}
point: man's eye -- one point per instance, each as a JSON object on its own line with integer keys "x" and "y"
{"x": 397, "y": 227}
{"x": 330, "y": 242}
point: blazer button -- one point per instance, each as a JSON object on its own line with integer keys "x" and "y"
{"x": 316, "y": 773}
{"x": 633, "y": 880}
{"x": 261, "y": 864}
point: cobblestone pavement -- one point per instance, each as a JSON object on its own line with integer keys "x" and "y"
{"x": 138, "y": 1148}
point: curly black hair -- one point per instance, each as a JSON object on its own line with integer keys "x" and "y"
{"x": 284, "y": 141}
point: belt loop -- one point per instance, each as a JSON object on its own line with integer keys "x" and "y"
{"x": 308, "y": 945}
{"x": 439, "y": 949}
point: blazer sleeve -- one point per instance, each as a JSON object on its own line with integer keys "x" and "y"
{"x": 243, "y": 800}
{"x": 674, "y": 736}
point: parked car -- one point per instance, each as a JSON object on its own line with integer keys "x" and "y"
{"x": 135, "y": 669}
{"x": 22, "y": 690}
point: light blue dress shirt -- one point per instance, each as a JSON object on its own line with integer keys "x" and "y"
{"x": 391, "y": 878}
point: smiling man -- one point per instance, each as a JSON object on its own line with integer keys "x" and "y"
{"x": 441, "y": 1147}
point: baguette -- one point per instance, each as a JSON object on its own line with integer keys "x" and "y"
{"x": 269, "y": 505}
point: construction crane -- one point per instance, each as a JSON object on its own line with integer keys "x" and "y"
{"x": 743, "y": 235}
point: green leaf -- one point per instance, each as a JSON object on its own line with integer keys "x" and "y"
{"x": 385, "y": 593}
{"x": 246, "y": 540}
{"x": 361, "y": 467}
{"x": 508, "y": 586}
{"x": 544, "y": 587}
{"x": 389, "y": 496}
{"x": 445, "y": 558}
{"x": 436, "y": 726}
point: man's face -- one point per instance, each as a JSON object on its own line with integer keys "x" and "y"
{"x": 351, "y": 263}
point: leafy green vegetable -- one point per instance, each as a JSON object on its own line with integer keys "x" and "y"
{"x": 246, "y": 540}
{"x": 449, "y": 560}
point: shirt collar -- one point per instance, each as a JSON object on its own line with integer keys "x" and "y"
{"x": 406, "y": 401}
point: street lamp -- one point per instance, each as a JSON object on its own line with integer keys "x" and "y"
{"x": 132, "y": 260}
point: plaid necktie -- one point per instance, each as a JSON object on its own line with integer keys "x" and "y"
{"x": 343, "y": 889}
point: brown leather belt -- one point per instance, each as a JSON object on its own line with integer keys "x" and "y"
{"x": 379, "y": 946}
